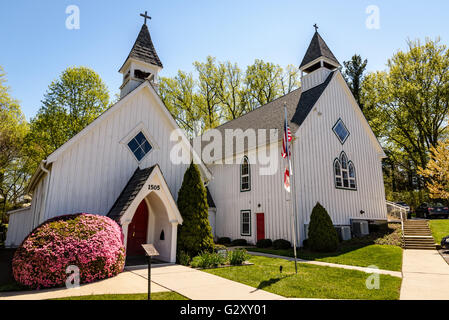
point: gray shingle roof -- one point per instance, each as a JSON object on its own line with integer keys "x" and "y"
{"x": 308, "y": 100}
{"x": 129, "y": 193}
{"x": 318, "y": 48}
{"x": 143, "y": 49}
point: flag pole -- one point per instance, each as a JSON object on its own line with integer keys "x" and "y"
{"x": 295, "y": 224}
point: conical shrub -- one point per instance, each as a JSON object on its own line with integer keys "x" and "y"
{"x": 322, "y": 234}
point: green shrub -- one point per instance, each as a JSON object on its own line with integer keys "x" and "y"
{"x": 237, "y": 257}
{"x": 281, "y": 244}
{"x": 322, "y": 234}
{"x": 184, "y": 258}
{"x": 195, "y": 233}
{"x": 208, "y": 260}
{"x": 264, "y": 243}
{"x": 239, "y": 242}
{"x": 224, "y": 240}
{"x": 219, "y": 247}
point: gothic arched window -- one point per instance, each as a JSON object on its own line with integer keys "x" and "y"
{"x": 245, "y": 175}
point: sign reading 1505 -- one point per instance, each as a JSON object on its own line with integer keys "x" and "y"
{"x": 154, "y": 187}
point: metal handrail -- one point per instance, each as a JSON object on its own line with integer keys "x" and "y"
{"x": 402, "y": 213}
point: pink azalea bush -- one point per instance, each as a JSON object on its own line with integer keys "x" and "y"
{"x": 93, "y": 243}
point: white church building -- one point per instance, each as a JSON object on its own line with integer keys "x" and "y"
{"x": 120, "y": 165}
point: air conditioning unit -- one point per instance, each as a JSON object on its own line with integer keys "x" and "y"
{"x": 344, "y": 233}
{"x": 360, "y": 228}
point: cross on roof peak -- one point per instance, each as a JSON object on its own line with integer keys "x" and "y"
{"x": 316, "y": 27}
{"x": 145, "y": 16}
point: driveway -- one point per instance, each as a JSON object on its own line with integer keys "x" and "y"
{"x": 425, "y": 276}
{"x": 191, "y": 283}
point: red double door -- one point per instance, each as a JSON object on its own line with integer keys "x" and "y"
{"x": 137, "y": 231}
{"x": 260, "y": 223}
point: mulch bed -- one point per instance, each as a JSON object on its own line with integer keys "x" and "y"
{"x": 6, "y": 256}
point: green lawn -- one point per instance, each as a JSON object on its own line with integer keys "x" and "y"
{"x": 136, "y": 296}
{"x": 311, "y": 281}
{"x": 383, "y": 256}
{"x": 440, "y": 229}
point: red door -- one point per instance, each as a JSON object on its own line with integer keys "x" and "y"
{"x": 260, "y": 226}
{"x": 137, "y": 231}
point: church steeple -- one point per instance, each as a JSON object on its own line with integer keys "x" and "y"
{"x": 142, "y": 62}
{"x": 317, "y": 63}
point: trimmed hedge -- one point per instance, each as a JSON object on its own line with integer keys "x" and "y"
{"x": 239, "y": 242}
{"x": 90, "y": 242}
{"x": 322, "y": 234}
{"x": 281, "y": 244}
{"x": 224, "y": 240}
{"x": 264, "y": 243}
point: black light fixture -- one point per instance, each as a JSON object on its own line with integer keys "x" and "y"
{"x": 362, "y": 212}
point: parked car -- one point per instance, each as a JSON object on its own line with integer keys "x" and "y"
{"x": 432, "y": 210}
{"x": 445, "y": 243}
{"x": 403, "y": 204}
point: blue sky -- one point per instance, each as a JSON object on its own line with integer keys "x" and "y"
{"x": 36, "y": 46}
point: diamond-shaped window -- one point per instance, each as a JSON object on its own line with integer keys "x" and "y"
{"x": 139, "y": 146}
{"x": 341, "y": 131}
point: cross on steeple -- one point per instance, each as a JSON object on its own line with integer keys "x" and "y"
{"x": 316, "y": 27}
{"x": 145, "y": 16}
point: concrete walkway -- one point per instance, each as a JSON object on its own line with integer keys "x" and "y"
{"x": 199, "y": 285}
{"x": 124, "y": 283}
{"x": 332, "y": 265}
{"x": 191, "y": 283}
{"x": 425, "y": 276}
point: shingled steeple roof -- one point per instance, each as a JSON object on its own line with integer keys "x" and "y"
{"x": 143, "y": 49}
{"x": 318, "y": 48}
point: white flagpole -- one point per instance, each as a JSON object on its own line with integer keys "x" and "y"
{"x": 294, "y": 225}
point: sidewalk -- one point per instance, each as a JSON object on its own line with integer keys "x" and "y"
{"x": 198, "y": 285}
{"x": 332, "y": 265}
{"x": 425, "y": 276}
{"x": 124, "y": 283}
{"x": 191, "y": 283}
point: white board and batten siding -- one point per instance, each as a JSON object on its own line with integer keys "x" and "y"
{"x": 90, "y": 175}
{"x": 314, "y": 150}
{"x": 20, "y": 225}
{"x": 317, "y": 147}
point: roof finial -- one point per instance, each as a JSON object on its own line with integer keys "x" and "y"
{"x": 145, "y": 16}
{"x": 316, "y": 27}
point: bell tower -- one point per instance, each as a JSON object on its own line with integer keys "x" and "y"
{"x": 142, "y": 63}
{"x": 318, "y": 63}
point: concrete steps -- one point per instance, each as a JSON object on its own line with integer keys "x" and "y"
{"x": 417, "y": 235}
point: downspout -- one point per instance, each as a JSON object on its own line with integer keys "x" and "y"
{"x": 47, "y": 187}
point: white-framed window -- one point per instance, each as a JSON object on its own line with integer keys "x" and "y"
{"x": 139, "y": 146}
{"x": 245, "y": 223}
{"x": 344, "y": 173}
{"x": 245, "y": 175}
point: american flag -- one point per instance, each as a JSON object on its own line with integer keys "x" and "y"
{"x": 287, "y": 138}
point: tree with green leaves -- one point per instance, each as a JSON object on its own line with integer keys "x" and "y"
{"x": 195, "y": 233}
{"x": 407, "y": 105}
{"x": 354, "y": 75}
{"x": 71, "y": 102}
{"x": 14, "y": 169}
{"x": 322, "y": 234}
